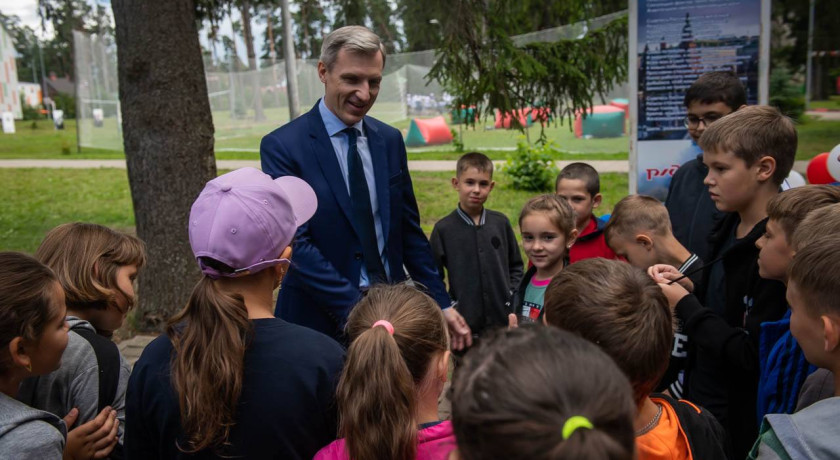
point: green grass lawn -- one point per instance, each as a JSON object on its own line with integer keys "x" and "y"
{"x": 239, "y": 140}
{"x": 35, "y": 200}
{"x": 832, "y": 103}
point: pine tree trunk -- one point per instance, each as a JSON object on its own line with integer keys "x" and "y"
{"x": 168, "y": 139}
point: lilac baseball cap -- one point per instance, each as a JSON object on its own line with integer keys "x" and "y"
{"x": 245, "y": 220}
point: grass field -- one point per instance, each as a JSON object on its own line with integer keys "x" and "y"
{"x": 832, "y": 103}
{"x": 36, "y": 200}
{"x": 239, "y": 139}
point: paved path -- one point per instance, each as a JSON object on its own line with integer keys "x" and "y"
{"x": 620, "y": 166}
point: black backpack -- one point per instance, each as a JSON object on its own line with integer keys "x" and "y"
{"x": 108, "y": 361}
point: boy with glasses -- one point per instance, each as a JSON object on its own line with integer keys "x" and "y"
{"x": 692, "y": 212}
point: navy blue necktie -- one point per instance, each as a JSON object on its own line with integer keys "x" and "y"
{"x": 363, "y": 211}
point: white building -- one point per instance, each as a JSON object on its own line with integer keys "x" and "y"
{"x": 31, "y": 93}
{"x": 9, "y": 94}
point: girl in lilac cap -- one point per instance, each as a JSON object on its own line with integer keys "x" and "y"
{"x": 397, "y": 365}
{"x": 228, "y": 379}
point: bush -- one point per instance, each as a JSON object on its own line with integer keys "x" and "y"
{"x": 66, "y": 103}
{"x": 785, "y": 94}
{"x": 532, "y": 167}
{"x": 457, "y": 142}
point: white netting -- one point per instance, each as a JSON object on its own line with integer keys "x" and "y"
{"x": 405, "y": 91}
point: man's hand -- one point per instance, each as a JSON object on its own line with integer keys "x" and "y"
{"x": 663, "y": 273}
{"x": 94, "y": 439}
{"x": 459, "y": 331}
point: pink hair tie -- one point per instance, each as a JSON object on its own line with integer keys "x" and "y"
{"x": 388, "y": 326}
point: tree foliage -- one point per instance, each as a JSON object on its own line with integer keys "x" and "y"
{"x": 481, "y": 66}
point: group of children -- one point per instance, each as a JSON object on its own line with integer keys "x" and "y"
{"x": 621, "y": 339}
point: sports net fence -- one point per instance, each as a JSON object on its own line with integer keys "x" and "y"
{"x": 247, "y": 104}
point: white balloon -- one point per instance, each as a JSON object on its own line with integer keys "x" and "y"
{"x": 834, "y": 163}
{"x": 793, "y": 180}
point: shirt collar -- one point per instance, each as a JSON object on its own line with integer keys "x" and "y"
{"x": 334, "y": 124}
{"x": 466, "y": 217}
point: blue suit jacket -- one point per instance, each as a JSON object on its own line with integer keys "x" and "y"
{"x": 322, "y": 284}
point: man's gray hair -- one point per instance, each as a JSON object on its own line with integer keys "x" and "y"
{"x": 356, "y": 39}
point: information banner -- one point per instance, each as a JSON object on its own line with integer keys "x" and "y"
{"x": 674, "y": 42}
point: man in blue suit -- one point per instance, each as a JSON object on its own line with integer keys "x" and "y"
{"x": 367, "y": 226}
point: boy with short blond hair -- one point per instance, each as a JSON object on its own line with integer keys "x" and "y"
{"x": 749, "y": 153}
{"x": 580, "y": 185}
{"x": 640, "y": 232}
{"x": 477, "y": 247}
{"x": 821, "y": 222}
{"x": 783, "y": 367}
{"x": 620, "y": 309}
{"x": 814, "y": 297}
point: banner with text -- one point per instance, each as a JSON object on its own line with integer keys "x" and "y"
{"x": 676, "y": 42}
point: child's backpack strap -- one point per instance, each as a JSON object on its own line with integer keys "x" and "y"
{"x": 108, "y": 360}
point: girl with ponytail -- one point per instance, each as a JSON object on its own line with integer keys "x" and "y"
{"x": 396, "y": 367}
{"x": 541, "y": 393}
{"x": 229, "y": 379}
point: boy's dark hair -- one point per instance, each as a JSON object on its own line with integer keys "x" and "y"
{"x": 817, "y": 224}
{"x": 752, "y": 133}
{"x": 475, "y": 160}
{"x": 790, "y": 207}
{"x": 814, "y": 270}
{"x": 718, "y": 86}
{"x": 517, "y": 388}
{"x": 620, "y": 308}
{"x": 636, "y": 213}
{"x": 584, "y": 172}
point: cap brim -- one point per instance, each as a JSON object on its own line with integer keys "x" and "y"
{"x": 302, "y": 198}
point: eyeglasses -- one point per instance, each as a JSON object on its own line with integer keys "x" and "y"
{"x": 692, "y": 121}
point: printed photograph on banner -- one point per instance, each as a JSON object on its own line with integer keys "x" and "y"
{"x": 678, "y": 42}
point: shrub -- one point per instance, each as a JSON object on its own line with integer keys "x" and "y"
{"x": 785, "y": 94}
{"x": 530, "y": 167}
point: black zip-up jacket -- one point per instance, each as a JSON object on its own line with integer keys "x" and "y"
{"x": 514, "y": 304}
{"x": 723, "y": 368}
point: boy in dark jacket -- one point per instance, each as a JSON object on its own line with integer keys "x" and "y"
{"x": 478, "y": 248}
{"x": 619, "y": 308}
{"x": 749, "y": 153}
{"x": 693, "y": 213}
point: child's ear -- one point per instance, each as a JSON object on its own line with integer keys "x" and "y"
{"x": 454, "y": 182}
{"x": 644, "y": 241}
{"x": 492, "y": 184}
{"x": 596, "y": 200}
{"x": 571, "y": 240}
{"x": 766, "y": 168}
{"x": 443, "y": 366}
{"x": 18, "y": 353}
{"x": 831, "y": 332}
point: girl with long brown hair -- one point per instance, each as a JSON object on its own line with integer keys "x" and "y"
{"x": 228, "y": 379}
{"x": 396, "y": 367}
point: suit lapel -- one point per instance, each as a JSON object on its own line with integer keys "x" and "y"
{"x": 323, "y": 150}
{"x": 380, "y": 172}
